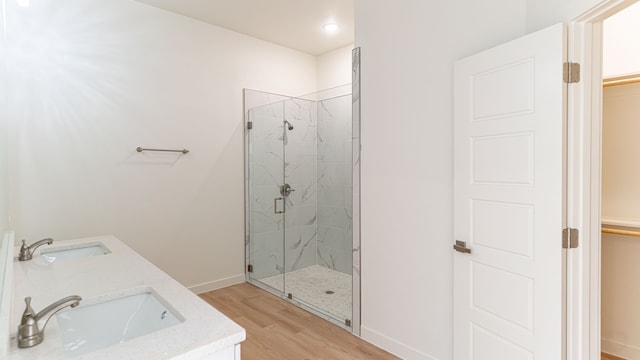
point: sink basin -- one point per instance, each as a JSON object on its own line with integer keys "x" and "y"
{"x": 92, "y": 327}
{"x": 74, "y": 252}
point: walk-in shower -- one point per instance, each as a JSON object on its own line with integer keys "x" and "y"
{"x": 301, "y": 170}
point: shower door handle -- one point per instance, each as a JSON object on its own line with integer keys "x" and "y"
{"x": 275, "y": 205}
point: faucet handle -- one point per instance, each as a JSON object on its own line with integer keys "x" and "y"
{"x": 28, "y": 311}
{"x": 25, "y": 254}
{"x": 28, "y": 332}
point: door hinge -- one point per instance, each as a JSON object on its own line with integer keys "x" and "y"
{"x": 571, "y": 72}
{"x": 249, "y": 125}
{"x": 250, "y": 268}
{"x": 570, "y": 238}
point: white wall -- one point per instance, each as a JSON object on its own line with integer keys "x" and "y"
{"x": 620, "y": 191}
{"x": 90, "y": 81}
{"x": 334, "y": 68}
{"x": 4, "y": 186}
{"x": 543, "y": 13}
{"x": 620, "y": 293}
{"x": 620, "y": 147}
{"x": 620, "y": 178}
{"x": 408, "y": 50}
{"x": 620, "y": 44}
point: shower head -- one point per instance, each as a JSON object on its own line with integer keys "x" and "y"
{"x": 289, "y": 126}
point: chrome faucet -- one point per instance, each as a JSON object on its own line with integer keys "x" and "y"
{"x": 31, "y": 328}
{"x": 26, "y": 252}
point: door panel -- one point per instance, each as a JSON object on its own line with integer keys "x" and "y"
{"x": 504, "y": 159}
{"x": 508, "y": 200}
{"x": 488, "y": 345}
{"x": 503, "y": 226}
{"x": 266, "y": 204}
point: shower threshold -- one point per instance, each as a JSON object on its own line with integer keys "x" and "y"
{"x": 323, "y": 289}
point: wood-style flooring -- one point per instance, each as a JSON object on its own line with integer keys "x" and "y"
{"x": 281, "y": 331}
{"x": 605, "y": 356}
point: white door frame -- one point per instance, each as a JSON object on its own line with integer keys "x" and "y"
{"x": 584, "y": 146}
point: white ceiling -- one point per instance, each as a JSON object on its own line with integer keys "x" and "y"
{"x": 296, "y": 24}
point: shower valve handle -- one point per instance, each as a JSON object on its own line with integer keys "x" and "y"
{"x": 286, "y": 189}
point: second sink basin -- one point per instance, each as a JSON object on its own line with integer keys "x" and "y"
{"x": 88, "y": 328}
{"x": 74, "y": 251}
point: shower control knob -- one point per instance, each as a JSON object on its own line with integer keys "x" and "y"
{"x": 286, "y": 189}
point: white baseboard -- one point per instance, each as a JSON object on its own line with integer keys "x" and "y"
{"x": 396, "y": 348}
{"x": 217, "y": 284}
{"x": 618, "y": 349}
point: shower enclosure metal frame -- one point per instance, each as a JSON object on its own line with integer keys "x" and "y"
{"x": 354, "y": 324}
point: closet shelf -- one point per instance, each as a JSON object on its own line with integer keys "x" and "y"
{"x": 632, "y": 223}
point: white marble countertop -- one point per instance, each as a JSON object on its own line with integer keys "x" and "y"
{"x": 205, "y": 330}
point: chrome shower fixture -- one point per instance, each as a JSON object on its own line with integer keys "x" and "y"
{"x": 289, "y": 126}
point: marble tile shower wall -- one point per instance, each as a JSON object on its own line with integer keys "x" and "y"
{"x": 300, "y": 170}
{"x": 335, "y": 184}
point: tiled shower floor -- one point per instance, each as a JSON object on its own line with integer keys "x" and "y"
{"x": 310, "y": 285}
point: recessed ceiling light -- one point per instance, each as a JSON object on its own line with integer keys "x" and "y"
{"x": 23, "y": 3}
{"x": 330, "y": 27}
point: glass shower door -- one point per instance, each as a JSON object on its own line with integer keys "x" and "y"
{"x": 299, "y": 200}
{"x": 318, "y": 237}
{"x": 265, "y": 202}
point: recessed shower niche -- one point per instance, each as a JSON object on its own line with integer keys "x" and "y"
{"x": 299, "y": 172}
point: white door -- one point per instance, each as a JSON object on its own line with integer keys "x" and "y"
{"x": 508, "y": 200}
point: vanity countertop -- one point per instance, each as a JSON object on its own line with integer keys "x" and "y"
{"x": 204, "y": 332}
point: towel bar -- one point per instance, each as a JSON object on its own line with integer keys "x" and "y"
{"x": 140, "y": 149}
